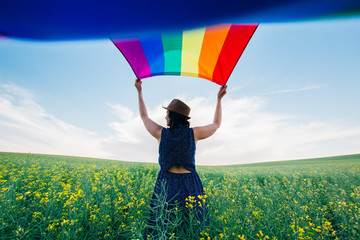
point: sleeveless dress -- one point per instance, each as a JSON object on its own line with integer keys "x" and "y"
{"x": 177, "y": 147}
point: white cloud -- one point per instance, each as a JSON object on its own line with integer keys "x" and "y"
{"x": 130, "y": 140}
{"x": 26, "y": 127}
{"x": 122, "y": 112}
{"x": 248, "y": 133}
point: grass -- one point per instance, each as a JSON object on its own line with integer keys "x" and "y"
{"x": 61, "y": 197}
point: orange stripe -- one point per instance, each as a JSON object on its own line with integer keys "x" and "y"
{"x": 212, "y": 44}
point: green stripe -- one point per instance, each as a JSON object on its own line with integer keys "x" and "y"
{"x": 172, "y": 44}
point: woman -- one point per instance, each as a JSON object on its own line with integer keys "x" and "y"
{"x": 177, "y": 178}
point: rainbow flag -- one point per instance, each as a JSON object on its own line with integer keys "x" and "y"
{"x": 210, "y": 53}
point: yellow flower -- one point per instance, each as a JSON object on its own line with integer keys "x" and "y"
{"x": 19, "y": 198}
{"x": 64, "y": 222}
{"x": 318, "y": 229}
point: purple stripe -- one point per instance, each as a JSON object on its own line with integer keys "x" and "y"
{"x": 134, "y": 54}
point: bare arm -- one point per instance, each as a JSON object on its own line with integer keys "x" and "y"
{"x": 208, "y": 130}
{"x": 152, "y": 127}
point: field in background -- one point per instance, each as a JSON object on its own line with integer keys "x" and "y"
{"x": 48, "y": 197}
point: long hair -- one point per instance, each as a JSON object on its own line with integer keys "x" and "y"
{"x": 177, "y": 118}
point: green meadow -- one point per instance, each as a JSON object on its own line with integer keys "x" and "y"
{"x": 62, "y": 197}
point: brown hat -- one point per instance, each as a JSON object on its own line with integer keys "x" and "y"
{"x": 179, "y": 107}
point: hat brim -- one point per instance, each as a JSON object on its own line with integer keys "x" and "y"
{"x": 176, "y": 112}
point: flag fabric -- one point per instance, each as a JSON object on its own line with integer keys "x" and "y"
{"x": 210, "y": 52}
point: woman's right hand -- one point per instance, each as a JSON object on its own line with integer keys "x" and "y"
{"x": 222, "y": 92}
{"x": 138, "y": 84}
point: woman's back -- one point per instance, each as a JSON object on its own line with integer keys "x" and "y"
{"x": 177, "y": 148}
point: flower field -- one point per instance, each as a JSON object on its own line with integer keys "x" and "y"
{"x": 59, "y": 197}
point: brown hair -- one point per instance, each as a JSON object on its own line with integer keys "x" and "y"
{"x": 178, "y": 119}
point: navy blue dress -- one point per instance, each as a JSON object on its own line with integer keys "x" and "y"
{"x": 177, "y": 147}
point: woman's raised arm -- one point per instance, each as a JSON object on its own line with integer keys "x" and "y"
{"x": 208, "y": 130}
{"x": 152, "y": 127}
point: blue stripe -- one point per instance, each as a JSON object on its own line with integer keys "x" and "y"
{"x": 154, "y": 52}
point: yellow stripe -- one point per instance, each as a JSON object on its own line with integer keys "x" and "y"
{"x": 191, "y": 47}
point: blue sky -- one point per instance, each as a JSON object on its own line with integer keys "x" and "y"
{"x": 293, "y": 94}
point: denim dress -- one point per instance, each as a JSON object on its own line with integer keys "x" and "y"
{"x": 177, "y": 147}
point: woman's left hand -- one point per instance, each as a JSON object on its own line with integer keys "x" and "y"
{"x": 138, "y": 84}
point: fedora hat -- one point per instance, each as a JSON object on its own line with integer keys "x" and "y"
{"x": 180, "y": 107}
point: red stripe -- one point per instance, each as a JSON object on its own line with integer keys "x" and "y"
{"x": 234, "y": 45}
